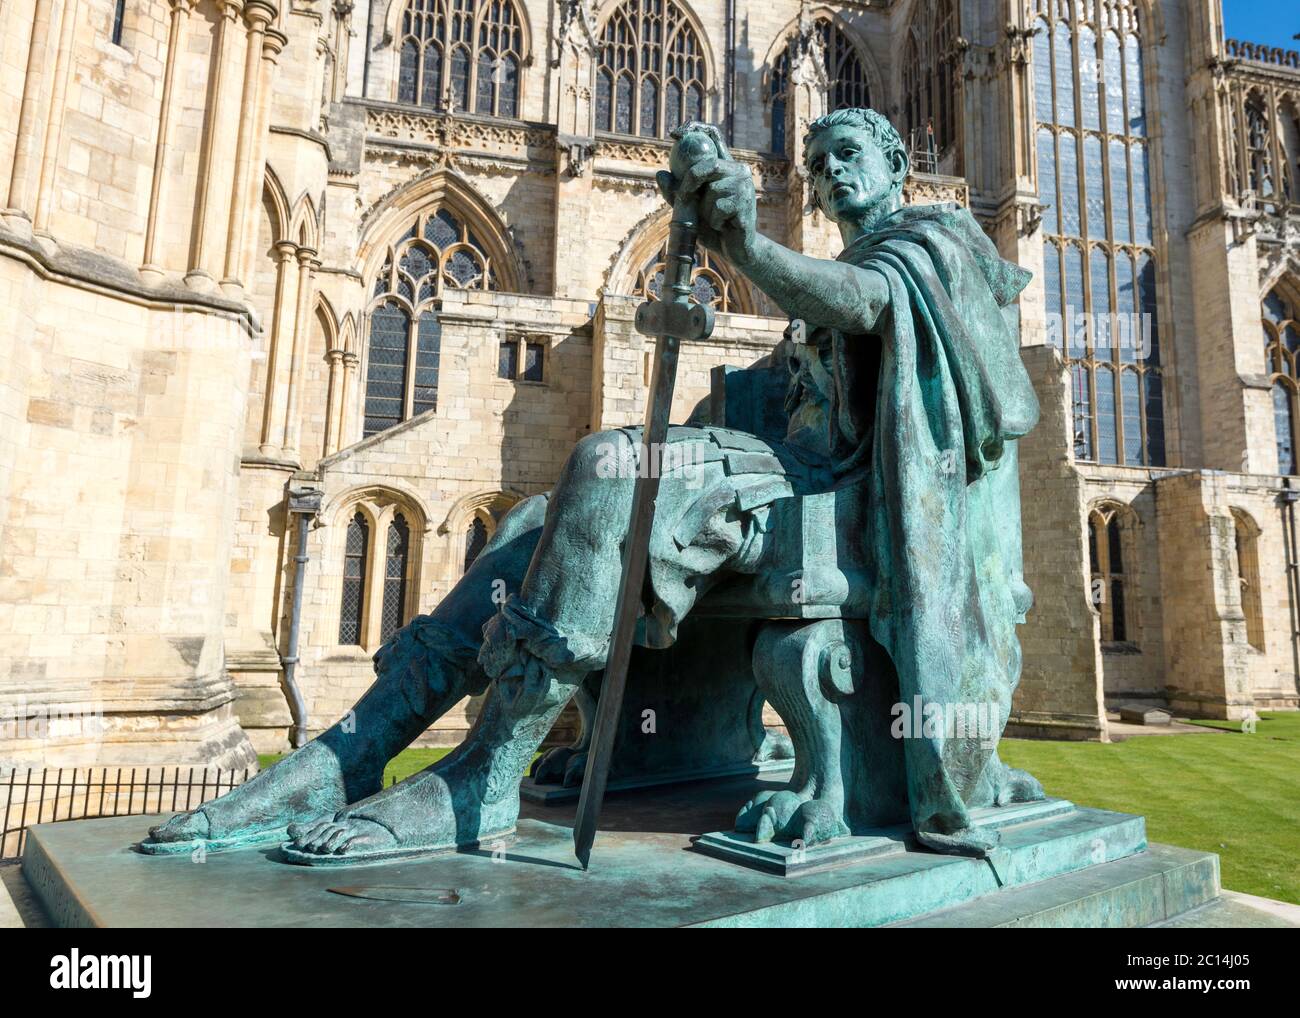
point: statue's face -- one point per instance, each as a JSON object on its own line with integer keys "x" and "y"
{"x": 852, "y": 176}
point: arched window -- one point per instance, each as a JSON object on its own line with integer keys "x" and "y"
{"x": 651, "y": 72}
{"x": 713, "y": 281}
{"x": 352, "y": 610}
{"x": 438, "y": 251}
{"x": 1259, "y": 149}
{"x": 381, "y": 564}
{"x": 471, "y": 525}
{"x": 1106, "y": 557}
{"x": 461, "y": 55}
{"x": 844, "y": 70}
{"x": 396, "y": 562}
{"x": 476, "y": 537}
{"x": 931, "y": 81}
{"x": 1281, "y": 347}
{"x": 1247, "y": 547}
{"x": 1099, "y": 256}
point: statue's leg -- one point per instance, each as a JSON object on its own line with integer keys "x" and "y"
{"x": 539, "y": 650}
{"x": 425, "y": 669}
{"x": 469, "y": 797}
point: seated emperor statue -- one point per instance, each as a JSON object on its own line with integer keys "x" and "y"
{"x": 910, "y": 387}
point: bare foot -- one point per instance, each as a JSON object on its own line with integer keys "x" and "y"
{"x": 303, "y": 785}
{"x": 442, "y": 807}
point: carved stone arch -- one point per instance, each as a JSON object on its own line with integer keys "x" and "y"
{"x": 329, "y": 320}
{"x": 1283, "y": 276}
{"x": 486, "y": 506}
{"x": 1112, "y": 593}
{"x": 393, "y": 214}
{"x": 875, "y": 80}
{"x": 375, "y": 497}
{"x": 348, "y": 333}
{"x": 647, "y": 239}
{"x": 277, "y": 203}
{"x": 304, "y": 223}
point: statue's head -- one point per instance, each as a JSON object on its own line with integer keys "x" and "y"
{"x": 856, "y": 163}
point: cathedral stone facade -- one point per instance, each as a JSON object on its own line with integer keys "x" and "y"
{"x": 298, "y": 297}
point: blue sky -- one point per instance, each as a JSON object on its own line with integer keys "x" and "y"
{"x": 1262, "y": 21}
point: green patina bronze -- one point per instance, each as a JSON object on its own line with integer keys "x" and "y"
{"x": 837, "y": 531}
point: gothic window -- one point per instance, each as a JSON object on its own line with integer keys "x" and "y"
{"x": 1247, "y": 547}
{"x": 1259, "y": 148}
{"x": 1106, "y": 558}
{"x": 930, "y": 81}
{"x": 1099, "y": 257}
{"x": 844, "y": 70}
{"x": 476, "y": 530}
{"x": 119, "y": 20}
{"x": 396, "y": 561}
{"x": 712, "y": 281}
{"x": 381, "y": 555}
{"x": 352, "y": 609}
{"x": 651, "y": 73}
{"x": 1281, "y": 348}
{"x": 463, "y": 55}
{"x": 437, "y": 252}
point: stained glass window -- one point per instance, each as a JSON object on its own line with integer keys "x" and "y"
{"x": 1281, "y": 348}
{"x": 712, "y": 281}
{"x": 1099, "y": 259}
{"x": 651, "y": 72}
{"x": 486, "y": 44}
{"x": 437, "y": 252}
{"x": 354, "y": 580}
{"x": 397, "y": 554}
{"x": 844, "y": 70}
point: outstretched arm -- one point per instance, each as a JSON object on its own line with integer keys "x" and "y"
{"x": 824, "y": 293}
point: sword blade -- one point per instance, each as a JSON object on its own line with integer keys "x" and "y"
{"x": 635, "y": 552}
{"x": 636, "y": 547}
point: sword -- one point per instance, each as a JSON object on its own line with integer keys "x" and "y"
{"x": 671, "y": 320}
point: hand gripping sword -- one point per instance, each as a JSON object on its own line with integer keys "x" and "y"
{"x": 671, "y": 320}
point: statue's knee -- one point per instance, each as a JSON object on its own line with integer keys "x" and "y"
{"x": 602, "y": 455}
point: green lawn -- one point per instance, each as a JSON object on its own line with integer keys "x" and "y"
{"x": 401, "y": 766}
{"x": 1233, "y": 793}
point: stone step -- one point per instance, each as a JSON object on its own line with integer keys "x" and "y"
{"x": 1155, "y": 886}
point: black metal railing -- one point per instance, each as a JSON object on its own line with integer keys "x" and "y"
{"x": 40, "y": 796}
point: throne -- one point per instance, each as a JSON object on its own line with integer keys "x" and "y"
{"x": 794, "y": 636}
